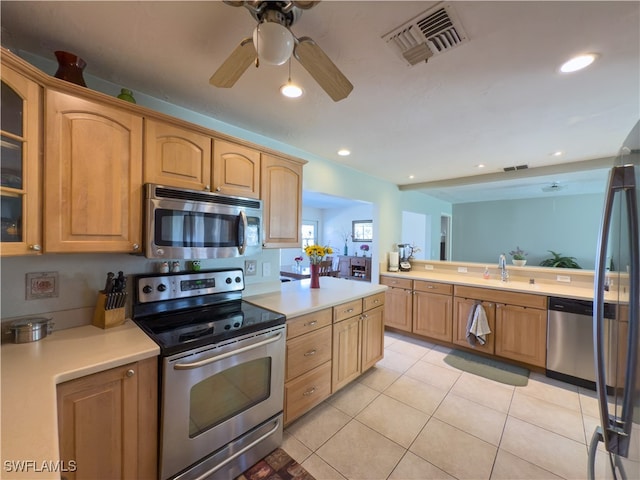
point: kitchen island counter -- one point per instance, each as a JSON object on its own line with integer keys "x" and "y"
{"x": 30, "y": 374}
{"x": 297, "y": 298}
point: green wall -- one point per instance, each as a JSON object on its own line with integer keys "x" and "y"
{"x": 564, "y": 224}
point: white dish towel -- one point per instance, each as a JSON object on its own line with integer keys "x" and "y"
{"x": 477, "y": 326}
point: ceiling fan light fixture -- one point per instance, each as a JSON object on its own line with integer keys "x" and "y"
{"x": 274, "y": 43}
{"x": 291, "y": 90}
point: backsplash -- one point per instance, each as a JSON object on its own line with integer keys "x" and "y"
{"x": 81, "y": 276}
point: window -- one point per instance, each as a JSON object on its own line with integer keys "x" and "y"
{"x": 362, "y": 231}
{"x": 309, "y": 235}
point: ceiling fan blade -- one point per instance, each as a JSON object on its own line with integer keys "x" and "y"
{"x": 233, "y": 67}
{"x": 322, "y": 69}
{"x": 305, "y": 5}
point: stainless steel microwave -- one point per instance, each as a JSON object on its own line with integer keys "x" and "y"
{"x": 192, "y": 224}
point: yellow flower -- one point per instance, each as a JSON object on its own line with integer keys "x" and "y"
{"x": 316, "y": 253}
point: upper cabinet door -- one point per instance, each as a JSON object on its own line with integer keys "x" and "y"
{"x": 236, "y": 169}
{"x": 282, "y": 202}
{"x": 93, "y": 176}
{"x": 21, "y": 231}
{"x": 176, "y": 157}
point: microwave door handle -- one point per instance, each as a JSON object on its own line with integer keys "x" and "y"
{"x": 242, "y": 232}
{"x": 187, "y": 221}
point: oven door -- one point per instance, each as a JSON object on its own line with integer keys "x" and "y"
{"x": 217, "y": 393}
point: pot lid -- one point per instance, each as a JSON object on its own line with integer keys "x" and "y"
{"x": 29, "y": 323}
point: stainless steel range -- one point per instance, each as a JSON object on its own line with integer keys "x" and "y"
{"x": 221, "y": 373}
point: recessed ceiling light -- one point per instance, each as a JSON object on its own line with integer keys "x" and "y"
{"x": 480, "y": 165}
{"x": 343, "y": 152}
{"x": 578, "y": 63}
{"x": 412, "y": 176}
{"x": 557, "y": 154}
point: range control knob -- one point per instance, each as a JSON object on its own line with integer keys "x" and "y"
{"x": 238, "y": 279}
{"x": 147, "y": 289}
{"x": 228, "y": 280}
{"x": 162, "y": 287}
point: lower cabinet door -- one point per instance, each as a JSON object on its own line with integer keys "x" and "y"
{"x": 306, "y": 391}
{"x": 462, "y": 308}
{"x": 433, "y": 315}
{"x": 372, "y": 337}
{"x": 521, "y": 334}
{"x": 346, "y": 352}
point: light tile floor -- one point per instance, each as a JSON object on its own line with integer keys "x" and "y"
{"x": 412, "y": 416}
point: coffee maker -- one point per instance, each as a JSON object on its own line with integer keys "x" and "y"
{"x": 404, "y": 249}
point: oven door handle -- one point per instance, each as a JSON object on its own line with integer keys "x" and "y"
{"x": 207, "y": 361}
{"x": 239, "y": 452}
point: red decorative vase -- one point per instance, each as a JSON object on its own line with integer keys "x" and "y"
{"x": 70, "y": 67}
{"x": 315, "y": 276}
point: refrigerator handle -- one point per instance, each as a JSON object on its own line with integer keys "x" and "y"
{"x": 593, "y": 448}
{"x": 615, "y": 431}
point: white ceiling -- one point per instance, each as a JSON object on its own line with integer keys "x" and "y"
{"x": 497, "y": 99}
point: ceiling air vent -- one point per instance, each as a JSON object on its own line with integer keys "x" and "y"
{"x": 433, "y": 32}
{"x": 517, "y": 167}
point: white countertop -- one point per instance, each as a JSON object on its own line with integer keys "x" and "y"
{"x": 298, "y": 298}
{"x": 31, "y": 371}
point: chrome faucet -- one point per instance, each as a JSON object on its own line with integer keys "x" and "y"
{"x": 502, "y": 264}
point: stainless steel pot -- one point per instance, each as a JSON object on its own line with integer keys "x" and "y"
{"x": 30, "y": 329}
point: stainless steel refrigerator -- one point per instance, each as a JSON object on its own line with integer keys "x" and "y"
{"x": 617, "y": 280}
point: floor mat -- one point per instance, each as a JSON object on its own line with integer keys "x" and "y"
{"x": 278, "y": 465}
{"x": 488, "y": 368}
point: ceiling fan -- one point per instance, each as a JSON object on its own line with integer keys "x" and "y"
{"x": 274, "y": 43}
{"x": 553, "y": 187}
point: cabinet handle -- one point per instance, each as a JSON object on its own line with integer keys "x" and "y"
{"x": 311, "y": 323}
{"x": 310, "y": 353}
{"x": 376, "y": 301}
{"x": 130, "y": 373}
{"x": 349, "y": 310}
{"x": 35, "y": 248}
{"x": 207, "y": 188}
{"x": 218, "y": 189}
{"x": 310, "y": 392}
{"x": 136, "y": 246}
{"x": 430, "y": 286}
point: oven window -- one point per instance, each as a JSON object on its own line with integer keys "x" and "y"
{"x": 228, "y": 393}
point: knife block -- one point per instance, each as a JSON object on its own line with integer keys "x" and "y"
{"x": 107, "y": 318}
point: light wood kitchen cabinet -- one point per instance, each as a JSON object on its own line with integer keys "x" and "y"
{"x": 462, "y": 308}
{"x": 398, "y": 303}
{"x": 433, "y": 310}
{"x": 93, "y": 176}
{"x": 308, "y": 362}
{"x": 236, "y": 169}
{"x": 521, "y": 334}
{"x": 281, "y": 192}
{"x": 358, "y": 338}
{"x": 107, "y": 423}
{"x": 176, "y": 156}
{"x": 21, "y": 231}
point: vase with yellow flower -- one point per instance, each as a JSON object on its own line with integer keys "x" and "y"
{"x": 316, "y": 254}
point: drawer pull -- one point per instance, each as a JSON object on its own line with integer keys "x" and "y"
{"x": 311, "y": 323}
{"x": 310, "y": 391}
{"x": 430, "y": 286}
{"x": 348, "y": 310}
{"x": 310, "y": 353}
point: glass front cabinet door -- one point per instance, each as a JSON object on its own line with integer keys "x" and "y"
{"x": 21, "y": 232}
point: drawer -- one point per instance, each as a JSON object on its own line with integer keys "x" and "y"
{"x": 433, "y": 287}
{"x": 373, "y": 301}
{"x": 306, "y": 352}
{"x": 309, "y": 322}
{"x": 501, "y": 296}
{"x": 347, "y": 310}
{"x": 358, "y": 262}
{"x": 396, "y": 282}
{"x": 306, "y": 391}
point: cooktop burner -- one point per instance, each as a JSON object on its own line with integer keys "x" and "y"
{"x": 189, "y": 310}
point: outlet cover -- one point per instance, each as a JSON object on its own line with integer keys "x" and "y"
{"x": 250, "y": 267}
{"x": 462, "y": 269}
{"x": 428, "y": 267}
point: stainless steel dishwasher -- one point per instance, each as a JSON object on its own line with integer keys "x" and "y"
{"x": 570, "y": 349}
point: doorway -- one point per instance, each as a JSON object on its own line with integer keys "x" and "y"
{"x": 445, "y": 237}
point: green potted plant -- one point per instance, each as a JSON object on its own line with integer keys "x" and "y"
{"x": 518, "y": 257}
{"x": 558, "y": 261}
